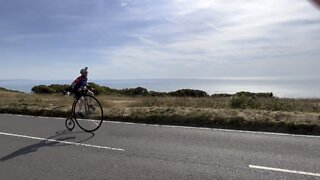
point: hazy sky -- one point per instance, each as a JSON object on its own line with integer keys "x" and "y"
{"x": 46, "y": 39}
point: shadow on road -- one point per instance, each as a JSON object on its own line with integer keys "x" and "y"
{"x": 64, "y": 135}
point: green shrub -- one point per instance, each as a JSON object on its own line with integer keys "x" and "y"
{"x": 139, "y": 91}
{"x": 189, "y": 93}
{"x": 250, "y": 94}
{"x": 103, "y": 90}
{"x": 278, "y": 104}
{"x": 239, "y": 102}
{"x": 3, "y": 89}
{"x": 58, "y": 88}
{"x": 43, "y": 89}
{"x": 97, "y": 89}
{"x": 221, "y": 95}
{"x": 158, "y": 94}
{"x": 8, "y": 90}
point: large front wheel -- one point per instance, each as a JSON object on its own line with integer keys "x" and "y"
{"x": 88, "y": 113}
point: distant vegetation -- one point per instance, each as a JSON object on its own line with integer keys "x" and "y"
{"x": 189, "y": 93}
{"x": 140, "y": 91}
{"x": 187, "y": 107}
{"x": 3, "y": 89}
{"x": 8, "y": 90}
{"x": 243, "y": 110}
{"x": 54, "y": 88}
{"x": 195, "y": 98}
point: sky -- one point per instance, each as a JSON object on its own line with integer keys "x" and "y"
{"x": 162, "y": 39}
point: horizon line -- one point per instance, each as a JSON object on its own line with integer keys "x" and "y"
{"x": 187, "y": 78}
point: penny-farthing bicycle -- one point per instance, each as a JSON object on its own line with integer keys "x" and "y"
{"x": 87, "y": 112}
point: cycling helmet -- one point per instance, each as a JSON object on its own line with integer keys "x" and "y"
{"x": 84, "y": 71}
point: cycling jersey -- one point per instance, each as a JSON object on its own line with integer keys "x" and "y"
{"x": 80, "y": 82}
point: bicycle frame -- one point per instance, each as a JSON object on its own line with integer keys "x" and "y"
{"x": 89, "y": 112}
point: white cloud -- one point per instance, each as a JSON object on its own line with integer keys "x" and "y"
{"x": 250, "y": 34}
{"x": 181, "y": 38}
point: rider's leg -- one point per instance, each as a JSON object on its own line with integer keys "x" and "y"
{"x": 81, "y": 104}
{"x": 91, "y": 94}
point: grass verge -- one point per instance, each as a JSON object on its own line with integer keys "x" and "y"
{"x": 172, "y": 111}
{"x": 284, "y": 122}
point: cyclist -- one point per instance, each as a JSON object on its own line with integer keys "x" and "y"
{"x": 79, "y": 86}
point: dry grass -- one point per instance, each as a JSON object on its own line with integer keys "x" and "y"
{"x": 34, "y": 101}
{"x": 297, "y": 115}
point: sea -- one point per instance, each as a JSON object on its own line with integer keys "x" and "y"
{"x": 284, "y": 87}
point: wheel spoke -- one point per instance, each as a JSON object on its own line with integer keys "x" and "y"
{"x": 88, "y": 113}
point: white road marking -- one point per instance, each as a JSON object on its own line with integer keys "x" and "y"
{"x": 90, "y": 120}
{"x": 63, "y": 142}
{"x": 42, "y": 117}
{"x": 284, "y": 170}
{"x": 189, "y": 127}
{"x": 214, "y": 129}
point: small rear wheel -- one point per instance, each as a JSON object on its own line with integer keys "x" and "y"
{"x": 70, "y": 124}
{"x": 88, "y": 113}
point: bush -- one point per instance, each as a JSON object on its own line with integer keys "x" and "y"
{"x": 221, "y": 95}
{"x": 244, "y": 100}
{"x": 3, "y": 89}
{"x": 250, "y": 94}
{"x": 58, "y": 88}
{"x": 277, "y": 105}
{"x": 103, "y": 90}
{"x": 239, "y": 102}
{"x": 43, "y": 89}
{"x": 139, "y": 91}
{"x": 97, "y": 89}
{"x": 189, "y": 93}
{"x": 8, "y": 90}
{"x": 157, "y": 94}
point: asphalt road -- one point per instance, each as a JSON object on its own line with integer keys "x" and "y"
{"x": 42, "y": 148}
